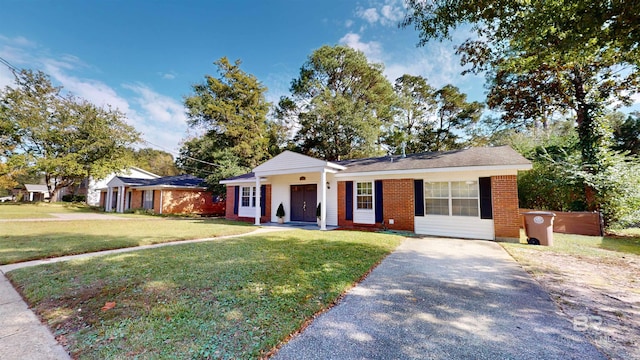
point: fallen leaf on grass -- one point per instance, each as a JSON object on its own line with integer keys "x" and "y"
{"x": 108, "y": 305}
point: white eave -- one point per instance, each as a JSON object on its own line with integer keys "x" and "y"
{"x": 437, "y": 170}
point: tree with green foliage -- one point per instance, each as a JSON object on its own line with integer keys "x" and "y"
{"x": 626, "y": 132}
{"x": 454, "y": 115}
{"x": 427, "y": 119}
{"x": 62, "y": 137}
{"x": 231, "y": 111}
{"x": 156, "y": 161}
{"x": 546, "y": 57}
{"x": 340, "y": 102}
{"x": 414, "y": 107}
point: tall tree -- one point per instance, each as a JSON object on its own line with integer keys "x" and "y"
{"x": 340, "y": 102}
{"x": 156, "y": 161}
{"x": 64, "y": 138}
{"x": 415, "y": 107}
{"x": 231, "y": 110}
{"x": 546, "y": 56}
{"x": 454, "y": 114}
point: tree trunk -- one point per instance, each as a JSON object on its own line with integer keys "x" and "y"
{"x": 587, "y": 135}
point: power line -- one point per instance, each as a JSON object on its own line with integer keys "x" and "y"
{"x": 184, "y": 156}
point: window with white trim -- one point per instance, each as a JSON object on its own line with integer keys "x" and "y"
{"x": 148, "y": 199}
{"x": 452, "y": 198}
{"x": 248, "y": 196}
{"x": 364, "y": 195}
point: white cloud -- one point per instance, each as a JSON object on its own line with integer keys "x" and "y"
{"x": 158, "y": 107}
{"x": 160, "y": 118}
{"x": 371, "y": 49}
{"x": 167, "y": 76}
{"x": 387, "y": 13}
{"x": 348, "y": 23}
{"x": 370, "y": 15}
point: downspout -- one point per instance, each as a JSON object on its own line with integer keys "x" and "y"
{"x": 258, "y": 200}
{"x": 323, "y": 200}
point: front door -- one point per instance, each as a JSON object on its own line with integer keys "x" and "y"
{"x": 303, "y": 202}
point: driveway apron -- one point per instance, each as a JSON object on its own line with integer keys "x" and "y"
{"x": 443, "y": 299}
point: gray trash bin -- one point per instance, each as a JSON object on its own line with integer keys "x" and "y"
{"x": 538, "y": 226}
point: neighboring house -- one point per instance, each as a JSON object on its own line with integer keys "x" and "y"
{"x": 470, "y": 193}
{"x": 35, "y": 192}
{"x": 164, "y": 195}
{"x": 95, "y": 187}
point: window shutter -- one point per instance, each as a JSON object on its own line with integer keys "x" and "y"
{"x": 153, "y": 200}
{"x": 263, "y": 200}
{"x": 348, "y": 194}
{"x": 486, "y": 207}
{"x": 236, "y": 198}
{"x": 142, "y": 198}
{"x": 378, "y": 201}
{"x": 418, "y": 194}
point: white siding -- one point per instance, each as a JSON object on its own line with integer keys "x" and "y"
{"x": 455, "y": 226}
{"x": 281, "y": 193}
{"x": 289, "y": 162}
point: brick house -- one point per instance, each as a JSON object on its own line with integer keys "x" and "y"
{"x": 182, "y": 194}
{"x": 469, "y": 193}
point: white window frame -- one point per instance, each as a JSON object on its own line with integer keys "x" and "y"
{"x": 147, "y": 202}
{"x": 370, "y": 183}
{"x": 450, "y": 198}
{"x": 252, "y": 197}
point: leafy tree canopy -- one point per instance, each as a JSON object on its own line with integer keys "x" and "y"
{"x": 64, "y": 138}
{"x": 339, "y": 103}
{"x": 156, "y": 161}
{"x": 231, "y": 112}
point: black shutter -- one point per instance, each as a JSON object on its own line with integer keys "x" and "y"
{"x": 418, "y": 195}
{"x": 153, "y": 200}
{"x": 486, "y": 208}
{"x": 263, "y": 200}
{"x": 378, "y": 204}
{"x": 348, "y": 194}
{"x": 142, "y": 200}
{"x": 236, "y": 198}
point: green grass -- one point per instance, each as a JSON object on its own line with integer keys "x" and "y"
{"x": 624, "y": 241}
{"x": 229, "y": 299}
{"x": 23, "y": 241}
{"x": 10, "y": 210}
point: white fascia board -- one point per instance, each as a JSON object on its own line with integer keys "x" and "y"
{"x": 243, "y": 181}
{"x": 165, "y": 187}
{"x": 316, "y": 169}
{"x": 437, "y": 170}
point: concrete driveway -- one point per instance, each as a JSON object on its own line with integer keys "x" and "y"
{"x": 443, "y": 299}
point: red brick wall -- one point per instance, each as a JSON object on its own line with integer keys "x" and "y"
{"x": 398, "y": 203}
{"x": 136, "y": 199}
{"x": 342, "y": 218}
{"x": 506, "y": 218}
{"x": 230, "y": 203}
{"x": 187, "y": 201}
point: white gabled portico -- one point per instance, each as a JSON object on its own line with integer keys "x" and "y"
{"x": 297, "y": 181}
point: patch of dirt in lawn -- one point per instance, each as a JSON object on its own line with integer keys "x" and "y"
{"x": 599, "y": 295}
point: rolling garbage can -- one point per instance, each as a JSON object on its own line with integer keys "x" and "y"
{"x": 538, "y": 225}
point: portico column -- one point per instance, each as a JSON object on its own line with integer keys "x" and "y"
{"x": 323, "y": 200}
{"x": 107, "y": 199}
{"x": 120, "y": 206}
{"x": 258, "y": 202}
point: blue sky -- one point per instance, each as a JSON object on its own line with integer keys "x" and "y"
{"x": 143, "y": 56}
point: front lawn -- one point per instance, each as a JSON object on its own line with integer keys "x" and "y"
{"x": 229, "y": 299}
{"x": 11, "y": 210}
{"x": 594, "y": 281}
{"x": 23, "y": 241}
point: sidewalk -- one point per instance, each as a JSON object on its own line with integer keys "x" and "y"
{"x": 23, "y": 336}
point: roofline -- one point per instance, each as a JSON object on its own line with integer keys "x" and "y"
{"x": 142, "y": 171}
{"x": 151, "y": 187}
{"x": 437, "y": 170}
